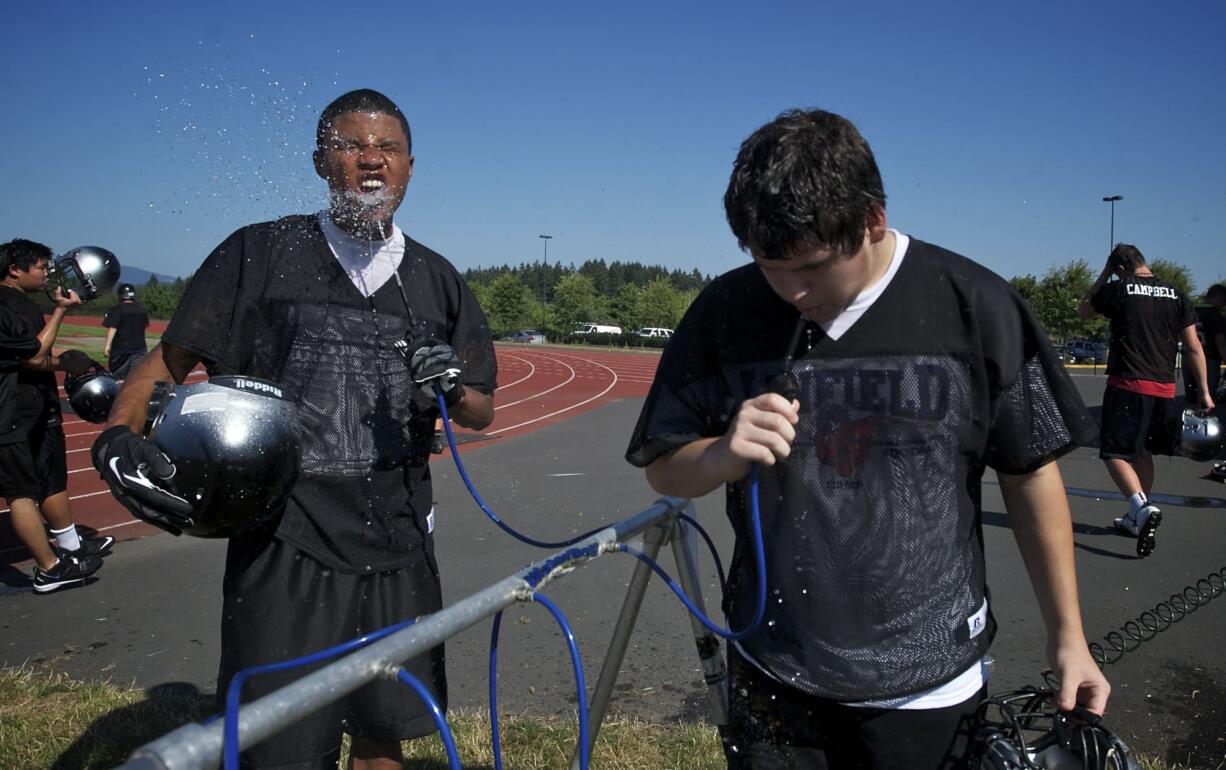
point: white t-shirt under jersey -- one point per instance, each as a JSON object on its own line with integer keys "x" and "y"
{"x": 369, "y": 264}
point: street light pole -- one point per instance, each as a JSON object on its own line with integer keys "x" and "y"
{"x": 1112, "y": 199}
{"x": 546, "y": 238}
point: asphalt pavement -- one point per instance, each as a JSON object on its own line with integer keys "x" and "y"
{"x": 151, "y": 618}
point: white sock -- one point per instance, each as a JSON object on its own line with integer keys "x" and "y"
{"x": 67, "y": 538}
{"x": 1137, "y": 502}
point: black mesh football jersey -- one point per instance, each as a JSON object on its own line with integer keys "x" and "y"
{"x": 18, "y": 343}
{"x": 1147, "y": 316}
{"x": 129, "y": 320}
{"x": 272, "y": 302}
{"x": 38, "y": 396}
{"x": 876, "y": 581}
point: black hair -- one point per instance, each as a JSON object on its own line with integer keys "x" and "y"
{"x": 361, "y": 100}
{"x": 1215, "y": 291}
{"x": 806, "y": 180}
{"x": 22, "y": 254}
{"x": 1126, "y": 257}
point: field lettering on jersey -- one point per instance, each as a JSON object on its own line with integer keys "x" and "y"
{"x": 919, "y": 392}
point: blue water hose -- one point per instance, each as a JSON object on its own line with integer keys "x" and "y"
{"x": 472, "y": 490}
{"x": 440, "y": 721}
{"x": 759, "y": 558}
{"x": 755, "y": 524}
{"x": 234, "y": 692}
{"x": 580, "y": 683}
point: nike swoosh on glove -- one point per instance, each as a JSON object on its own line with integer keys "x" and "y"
{"x": 433, "y": 365}
{"x": 139, "y": 474}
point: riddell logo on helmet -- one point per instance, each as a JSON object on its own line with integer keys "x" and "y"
{"x": 263, "y": 387}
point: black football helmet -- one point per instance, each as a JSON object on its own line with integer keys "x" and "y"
{"x": 234, "y": 443}
{"x": 1023, "y": 731}
{"x": 125, "y": 292}
{"x": 90, "y": 271}
{"x": 91, "y": 394}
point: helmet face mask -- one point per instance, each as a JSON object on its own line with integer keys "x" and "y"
{"x": 234, "y": 444}
{"x": 90, "y": 271}
{"x": 1201, "y": 436}
{"x": 1023, "y": 731}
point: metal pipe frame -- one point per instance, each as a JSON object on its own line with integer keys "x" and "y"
{"x": 199, "y": 746}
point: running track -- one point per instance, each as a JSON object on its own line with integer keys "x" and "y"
{"x": 538, "y": 386}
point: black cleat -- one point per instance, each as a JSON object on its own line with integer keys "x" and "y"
{"x": 90, "y": 546}
{"x": 66, "y": 572}
{"x": 1143, "y": 525}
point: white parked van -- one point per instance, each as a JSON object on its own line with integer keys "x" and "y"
{"x": 597, "y": 329}
{"x": 654, "y": 331}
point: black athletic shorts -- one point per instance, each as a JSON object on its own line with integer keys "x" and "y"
{"x": 18, "y": 476}
{"x": 280, "y": 603}
{"x": 120, "y": 364}
{"x": 776, "y": 727}
{"x": 50, "y": 460}
{"x": 1134, "y": 425}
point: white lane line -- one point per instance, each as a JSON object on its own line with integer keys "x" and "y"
{"x": 563, "y": 475}
{"x": 531, "y": 371}
{"x": 565, "y": 382}
{"x": 74, "y": 497}
{"x": 567, "y": 409}
{"x": 120, "y": 525}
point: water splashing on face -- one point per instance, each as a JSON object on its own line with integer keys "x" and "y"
{"x": 363, "y": 214}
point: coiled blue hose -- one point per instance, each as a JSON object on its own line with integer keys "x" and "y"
{"x": 580, "y": 683}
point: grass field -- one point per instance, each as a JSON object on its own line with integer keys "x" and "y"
{"x": 89, "y": 339}
{"x": 50, "y": 722}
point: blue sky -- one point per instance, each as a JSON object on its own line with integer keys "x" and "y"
{"x": 156, "y": 129}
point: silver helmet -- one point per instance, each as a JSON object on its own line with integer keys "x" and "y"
{"x": 90, "y": 271}
{"x": 1024, "y": 731}
{"x": 91, "y": 394}
{"x": 235, "y": 447}
{"x": 1201, "y": 436}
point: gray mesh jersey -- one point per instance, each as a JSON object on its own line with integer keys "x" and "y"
{"x": 272, "y": 302}
{"x": 876, "y": 580}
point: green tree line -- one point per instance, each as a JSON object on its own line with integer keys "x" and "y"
{"x": 554, "y": 298}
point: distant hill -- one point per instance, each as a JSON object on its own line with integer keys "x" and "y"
{"x": 139, "y": 277}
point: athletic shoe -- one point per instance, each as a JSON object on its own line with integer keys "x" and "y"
{"x": 65, "y": 573}
{"x": 1143, "y": 525}
{"x": 90, "y": 546}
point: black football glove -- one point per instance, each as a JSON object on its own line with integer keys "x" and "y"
{"x": 76, "y": 363}
{"x": 138, "y": 474}
{"x": 434, "y": 366}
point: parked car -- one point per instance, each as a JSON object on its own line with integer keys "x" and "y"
{"x": 530, "y": 336}
{"x": 1085, "y": 351}
{"x": 654, "y": 331}
{"x": 597, "y": 329}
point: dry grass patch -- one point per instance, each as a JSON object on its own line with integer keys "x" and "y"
{"x": 51, "y": 722}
